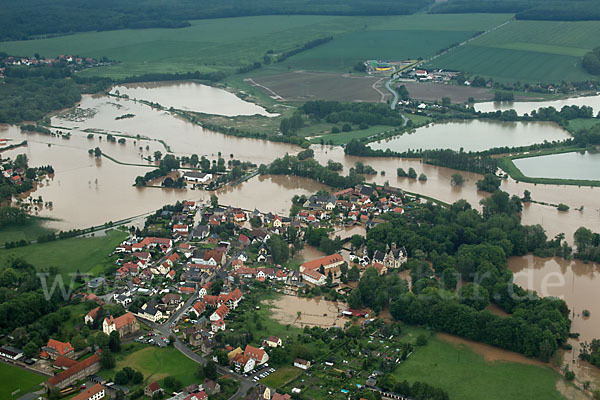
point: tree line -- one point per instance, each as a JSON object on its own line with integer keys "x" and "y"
{"x": 591, "y": 61}
{"x": 446, "y": 244}
{"x": 27, "y": 18}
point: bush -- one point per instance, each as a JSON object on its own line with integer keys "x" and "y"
{"x": 586, "y": 313}
{"x": 422, "y": 177}
{"x": 563, "y": 207}
{"x": 335, "y": 129}
{"x": 421, "y": 340}
{"x": 569, "y": 375}
{"x": 346, "y": 128}
{"x": 401, "y": 172}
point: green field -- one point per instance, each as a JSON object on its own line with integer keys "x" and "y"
{"x": 225, "y": 44}
{"x": 157, "y": 363}
{"x": 466, "y": 375}
{"x": 14, "y": 378}
{"x": 31, "y": 230}
{"x": 582, "y": 123}
{"x": 281, "y": 377}
{"x": 406, "y": 37}
{"x": 345, "y": 137}
{"x": 534, "y": 51}
{"x": 68, "y": 255}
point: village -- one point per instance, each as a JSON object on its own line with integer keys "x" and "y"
{"x": 195, "y": 275}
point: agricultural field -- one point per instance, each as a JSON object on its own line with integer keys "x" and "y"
{"x": 68, "y": 255}
{"x": 305, "y": 85}
{"x": 394, "y": 38}
{"x": 15, "y": 378}
{"x": 435, "y": 91}
{"x": 228, "y": 43}
{"x": 30, "y": 230}
{"x": 527, "y": 51}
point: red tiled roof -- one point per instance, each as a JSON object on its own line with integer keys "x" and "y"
{"x": 324, "y": 261}
{"x": 253, "y": 352}
{"x": 311, "y": 273}
{"x": 125, "y": 319}
{"x": 64, "y": 362}
{"x": 90, "y": 392}
{"x": 154, "y": 386}
{"x": 80, "y": 366}
{"x": 60, "y": 347}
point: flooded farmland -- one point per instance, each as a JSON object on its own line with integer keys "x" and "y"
{"x": 473, "y": 135}
{"x": 302, "y": 312}
{"x": 191, "y": 96}
{"x": 574, "y": 165}
{"x": 522, "y": 107}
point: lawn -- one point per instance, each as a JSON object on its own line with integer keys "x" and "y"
{"x": 466, "y": 375}
{"x": 345, "y": 137}
{"x": 582, "y": 123}
{"x": 30, "y": 230}
{"x": 14, "y": 378}
{"x": 281, "y": 377}
{"x": 534, "y": 51}
{"x": 68, "y": 255}
{"x": 157, "y": 363}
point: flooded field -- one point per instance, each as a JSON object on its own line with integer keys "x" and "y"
{"x": 301, "y": 312}
{"x": 573, "y": 165}
{"x": 100, "y": 113}
{"x": 474, "y": 135}
{"x": 522, "y": 107}
{"x": 191, "y": 96}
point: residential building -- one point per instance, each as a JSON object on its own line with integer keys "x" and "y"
{"x": 259, "y": 355}
{"x": 152, "y": 389}
{"x": 314, "y": 277}
{"x": 91, "y": 315}
{"x": 77, "y": 372}
{"x": 273, "y": 341}
{"x": 197, "y": 177}
{"x": 95, "y": 392}
{"x": 11, "y": 353}
{"x": 302, "y": 364}
{"x": 327, "y": 262}
{"x": 54, "y": 348}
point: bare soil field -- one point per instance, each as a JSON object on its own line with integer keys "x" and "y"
{"x": 435, "y": 91}
{"x": 305, "y": 85}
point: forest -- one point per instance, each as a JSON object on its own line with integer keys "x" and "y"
{"x": 591, "y": 61}
{"x": 446, "y": 244}
{"x": 547, "y": 10}
{"x": 26, "y": 19}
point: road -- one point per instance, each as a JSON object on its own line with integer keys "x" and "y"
{"x": 165, "y": 330}
{"x": 395, "y": 94}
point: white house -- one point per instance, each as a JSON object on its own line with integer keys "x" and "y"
{"x": 314, "y": 277}
{"x": 302, "y": 364}
{"x": 197, "y": 177}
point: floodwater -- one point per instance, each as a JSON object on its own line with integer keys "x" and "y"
{"x": 349, "y": 231}
{"x": 99, "y": 113}
{"x": 191, "y": 96}
{"x": 522, "y": 107}
{"x": 313, "y": 312}
{"x": 575, "y": 282}
{"x": 438, "y": 186}
{"x": 574, "y": 165}
{"x": 474, "y": 135}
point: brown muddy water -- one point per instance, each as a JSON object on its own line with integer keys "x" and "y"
{"x": 313, "y": 312}
{"x": 191, "y": 96}
{"x": 98, "y": 113}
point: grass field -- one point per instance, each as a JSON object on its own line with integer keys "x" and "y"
{"x": 67, "y": 255}
{"x": 225, "y": 44}
{"x": 14, "y": 378}
{"x": 31, "y": 230}
{"x": 281, "y": 377}
{"x": 346, "y": 137}
{"x": 582, "y": 123}
{"x": 157, "y": 363}
{"x": 466, "y": 375}
{"x": 534, "y": 51}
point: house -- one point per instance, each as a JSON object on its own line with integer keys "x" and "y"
{"x": 54, "y": 348}
{"x": 272, "y": 341}
{"x": 277, "y": 396}
{"x": 77, "y": 372}
{"x": 180, "y": 228}
{"x": 171, "y": 299}
{"x": 201, "y": 232}
{"x": 239, "y": 217}
{"x": 263, "y": 252}
{"x": 211, "y": 387}
{"x": 220, "y": 313}
{"x": 302, "y": 364}
{"x": 381, "y": 269}
{"x": 277, "y": 222}
{"x": 197, "y": 177}
{"x": 259, "y": 355}
{"x": 96, "y": 283}
{"x": 10, "y": 353}
{"x": 152, "y": 389}
{"x": 327, "y": 262}
{"x": 198, "y": 308}
{"x": 395, "y": 257}
{"x": 125, "y": 324}
{"x": 201, "y": 395}
{"x": 243, "y": 363}
{"x": 218, "y": 325}
{"x": 314, "y": 277}
{"x": 95, "y": 392}
{"x": 91, "y": 316}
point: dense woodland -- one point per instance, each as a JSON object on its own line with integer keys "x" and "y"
{"x": 547, "y": 10}
{"x": 28, "y": 18}
{"x": 445, "y": 243}
{"x": 591, "y": 61}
